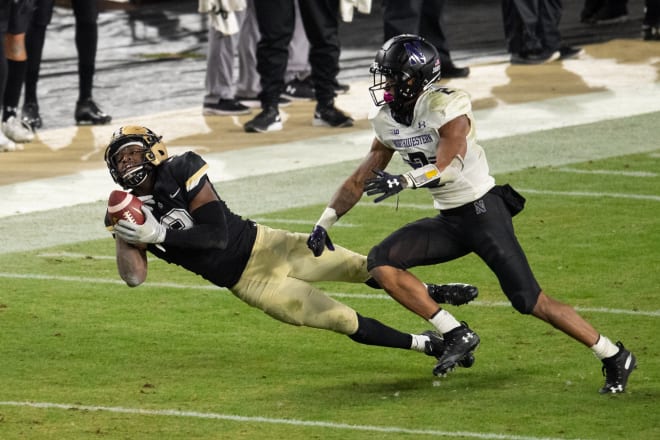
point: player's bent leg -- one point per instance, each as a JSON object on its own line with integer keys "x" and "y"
{"x": 565, "y": 318}
{"x": 406, "y": 289}
{"x": 298, "y": 303}
{"x": 339, "y": 265}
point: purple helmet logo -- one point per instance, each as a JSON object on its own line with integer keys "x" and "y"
{"x": 415, "y": 53}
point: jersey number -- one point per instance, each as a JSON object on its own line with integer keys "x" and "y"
{"x": 417, "y": 159}
{"x": 177, "y": 219}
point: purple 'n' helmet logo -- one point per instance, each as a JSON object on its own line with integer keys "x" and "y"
{"x": 415, "y": 53}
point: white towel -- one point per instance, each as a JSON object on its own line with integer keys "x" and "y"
{"x": 346, "y": 8}
{"x": 221, "y": 14}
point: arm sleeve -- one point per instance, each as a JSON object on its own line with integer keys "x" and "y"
{"x": 208, "y": 232}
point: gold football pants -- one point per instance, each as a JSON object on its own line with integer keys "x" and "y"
{"x": 277, "y": 276}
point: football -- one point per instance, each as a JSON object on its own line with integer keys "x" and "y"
{"x": 125, "y": 206}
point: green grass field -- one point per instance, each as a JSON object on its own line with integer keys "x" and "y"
{"x": 82, "y": 356}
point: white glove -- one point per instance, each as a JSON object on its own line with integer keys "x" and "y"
{"x": 151, "y": 231}
{"x": 148, "y": 201}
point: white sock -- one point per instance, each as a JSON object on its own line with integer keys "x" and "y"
{"x": 444, "y": 321}
{"x": 604, "y": 348}
{"x": 419, "y": 343}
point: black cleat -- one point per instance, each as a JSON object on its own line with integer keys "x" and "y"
{"x": 436, "y": 347}
{"x": 455, "y": 294}
{"x": 616, "y": 370}
{"x": 89, "y": 113}
{"x": 459, "y": 343}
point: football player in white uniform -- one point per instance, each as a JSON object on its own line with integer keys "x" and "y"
{"x": 188, "y": 224}
{"x": 433, "y": 130}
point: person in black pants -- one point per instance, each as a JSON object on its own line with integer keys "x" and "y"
{"x": 424, "y": 18}
{"x": 651, "y": 22}
{"x": 276, "y": 19}
{"x": 531, "y": 30}
{"x": 86, "y": 38}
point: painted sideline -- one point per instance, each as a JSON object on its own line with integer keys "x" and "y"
{"x": 504, "y": 120}
{"x": 302, "y": 176}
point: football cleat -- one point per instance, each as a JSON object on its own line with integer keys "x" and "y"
{"x": 435, "y": 346}
{"x": 616, "y": 370}
{"x": 459, "y": 344}
{"x": 455, "y": 294}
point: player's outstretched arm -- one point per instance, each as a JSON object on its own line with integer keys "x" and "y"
{"x": 347, "y": 196}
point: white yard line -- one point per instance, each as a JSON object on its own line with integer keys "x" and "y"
{"x": 369, "y": 296}
{"x": 608, "y": 172}
{"x": 277, "y": 421}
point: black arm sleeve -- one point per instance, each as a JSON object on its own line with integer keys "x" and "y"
{"x": 208, "y": 232}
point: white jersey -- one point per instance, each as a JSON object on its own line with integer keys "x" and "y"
{"x": 418, "y": 143}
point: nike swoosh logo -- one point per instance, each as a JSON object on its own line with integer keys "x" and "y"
{"x": 175, "y": 193}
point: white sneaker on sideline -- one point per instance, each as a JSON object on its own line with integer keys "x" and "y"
{"x": 7, "y": 146}
{"x": 17, "y": 130}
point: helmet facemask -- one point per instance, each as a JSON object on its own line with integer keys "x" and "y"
{"x": 139, "y": 141}
{"x": 134, "y": 175}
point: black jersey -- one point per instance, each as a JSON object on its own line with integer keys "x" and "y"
{"x": 177, "y": 181}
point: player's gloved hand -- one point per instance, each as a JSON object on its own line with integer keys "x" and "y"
{"x": 151, "y": 231}
{"x": 148, "y": 201}
{"x": 318, "y": 240}
{"x": 384, "y": 183}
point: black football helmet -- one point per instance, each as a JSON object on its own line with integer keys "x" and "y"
{"x": 408, "y": 64}
{"x": 155, "y": 153}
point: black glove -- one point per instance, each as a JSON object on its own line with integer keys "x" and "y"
{"x": 385, "y": 183}
{"x": 318, "y": 240}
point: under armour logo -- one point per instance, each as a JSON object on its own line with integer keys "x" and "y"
{"x": 391, "y": 183}
{"x": 479, "y": 207}
{"x": 421, "y": 124}
{"x": 466, "y": 338}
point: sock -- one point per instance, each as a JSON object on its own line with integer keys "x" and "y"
{"x": 8, "y": 112}
{"x": 15, "y": 79}
{"x": 444, "y": 321}
{"x": 604, "y": 348}
{"x": 373, "y": 332}
{"x": 419, "y": 343}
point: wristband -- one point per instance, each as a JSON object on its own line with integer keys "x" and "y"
{"x": 328, "y": 218}
{"x": 420, "y": 177}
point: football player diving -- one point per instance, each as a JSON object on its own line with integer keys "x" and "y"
{"x": 432, "y": 128}
{"x": 188, "y": 224}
